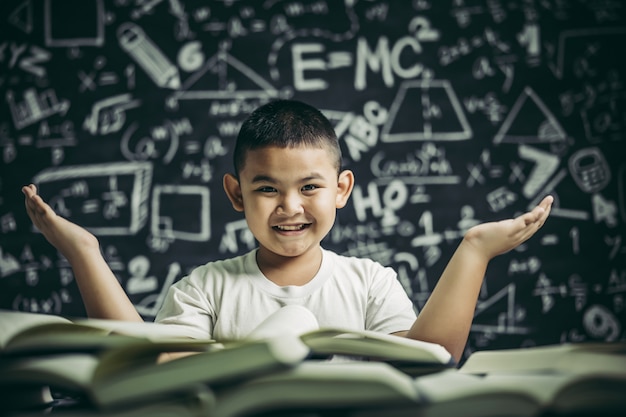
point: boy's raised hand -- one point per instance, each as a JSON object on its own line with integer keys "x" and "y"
{"x": 102, "y": 293}
{"x": 447, "y": 316}
{"x": 67, "y": 237}
{"x": 495, "y": 238}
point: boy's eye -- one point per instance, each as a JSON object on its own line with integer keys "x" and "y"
{"x": 309, "y": 187}
{"x": 267, "y": 189}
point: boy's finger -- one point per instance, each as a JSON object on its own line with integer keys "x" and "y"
{"x": 547, "y": 207}
{"x": 534, "y": 215}
{"x": 547, "y": 202}
{"x": 29, "y": 192}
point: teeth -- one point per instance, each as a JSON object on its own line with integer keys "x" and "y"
{"x": 289, "y": 228}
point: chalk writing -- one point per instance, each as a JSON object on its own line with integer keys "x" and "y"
{"x": 450, "y": 113}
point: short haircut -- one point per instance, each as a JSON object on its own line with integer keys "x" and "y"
{"x": 286, "y": 124}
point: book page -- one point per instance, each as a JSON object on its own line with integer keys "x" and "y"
{"x": 14, "y": 322}
{"x": 317, "y": 385}
{"x": 150, "y": 330}
{"x": 373, "y": 344}
{"x": 74, "y": 371}
{"x": 232, "y": 363}
{"x": 29, "y": 333}
{"x": 571, "y": 357}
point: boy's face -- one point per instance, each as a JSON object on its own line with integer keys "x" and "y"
{"x": 290, "y": 197}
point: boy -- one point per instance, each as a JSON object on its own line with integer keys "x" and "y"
{"x": 288, "y": 182}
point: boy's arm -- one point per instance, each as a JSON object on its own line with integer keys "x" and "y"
{"x": 102, "y": 294}
{"x": 447, "y": 316}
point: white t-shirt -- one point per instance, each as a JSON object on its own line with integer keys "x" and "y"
{"x": 228, "y": 299}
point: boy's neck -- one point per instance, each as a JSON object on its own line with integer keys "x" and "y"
{"x": 289, "y": 270}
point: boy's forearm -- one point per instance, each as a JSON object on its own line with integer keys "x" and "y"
{"x": 102, "y": 293}
{"x": 447, "y": 316}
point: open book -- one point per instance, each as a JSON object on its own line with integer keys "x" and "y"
{"x": 375, "y": 389}
{"x": 30, "y": 333}
{"x": 453, "y": 393}
{"x": 570, "y": 357}
{"x": 412, "y": 356}
{"x": 114, "y": 363}
{"x": 130, "y": 374}
{"x": 315, "y": 386}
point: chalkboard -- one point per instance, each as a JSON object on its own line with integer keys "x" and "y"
{"x": 124, "y": 113}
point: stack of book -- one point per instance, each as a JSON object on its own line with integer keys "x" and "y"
{"x": 85, "y": 367}
{"x": 124, "y": 368}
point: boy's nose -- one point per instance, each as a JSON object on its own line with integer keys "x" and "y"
{"x": 290, "y": 204}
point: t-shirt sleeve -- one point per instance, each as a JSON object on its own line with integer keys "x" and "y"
{"x": 389, "y": 307}
{"x": 187, "y": 308}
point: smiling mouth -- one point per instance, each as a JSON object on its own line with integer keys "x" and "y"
{"x": 291, "y": 228}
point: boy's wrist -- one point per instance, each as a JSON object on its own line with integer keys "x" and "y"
{"x": 471, "y": 248}
{"x": 80, "y": 251}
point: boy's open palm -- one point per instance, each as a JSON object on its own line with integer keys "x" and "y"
{"x": 64, "y": 235}
{"x": 495, "y": 238}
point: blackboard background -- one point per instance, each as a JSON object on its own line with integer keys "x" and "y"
{"x": 449, "y": 113}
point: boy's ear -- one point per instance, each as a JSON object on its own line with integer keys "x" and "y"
{"x": 345, "y": 184}
{"x": 233, "y": 191}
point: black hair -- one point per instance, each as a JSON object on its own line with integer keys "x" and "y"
{"x": 285, "y": 124}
